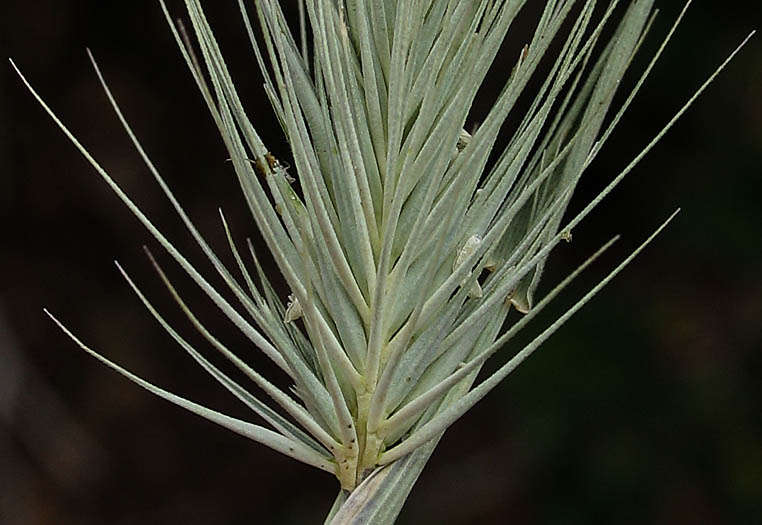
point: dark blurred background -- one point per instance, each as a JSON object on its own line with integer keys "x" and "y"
{"x": 645, "y": 408}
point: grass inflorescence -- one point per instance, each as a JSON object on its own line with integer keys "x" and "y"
{"x": 406, "y": 241}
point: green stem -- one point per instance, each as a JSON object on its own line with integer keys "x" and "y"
{"x": 380, "y": 497}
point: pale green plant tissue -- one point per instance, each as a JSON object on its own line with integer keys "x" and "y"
{"x": 404, "y": 239}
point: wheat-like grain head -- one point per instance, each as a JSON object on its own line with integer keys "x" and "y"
{"x": 406, "y": 241}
